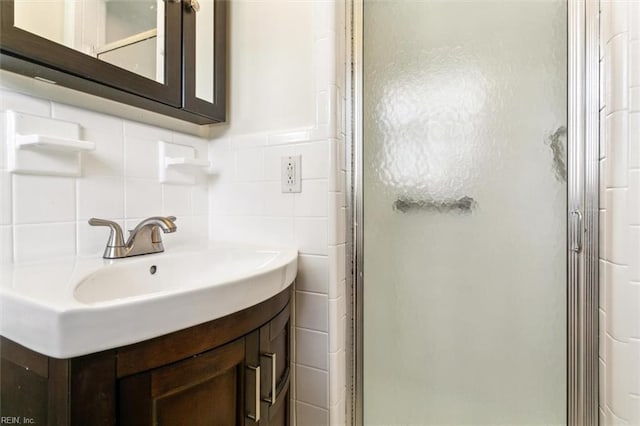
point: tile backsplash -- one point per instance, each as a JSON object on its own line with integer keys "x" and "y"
{"x": 46, "y": 216}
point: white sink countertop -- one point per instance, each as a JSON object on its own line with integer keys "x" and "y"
{"x": 75, "y": 306}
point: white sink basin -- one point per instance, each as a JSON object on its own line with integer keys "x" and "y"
{"x": 78, "y": 306}
{"x": 147, "y": 276}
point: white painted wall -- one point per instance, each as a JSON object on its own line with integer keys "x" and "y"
{"x": 620, "y": 213}
{"x": 273, "y": 74}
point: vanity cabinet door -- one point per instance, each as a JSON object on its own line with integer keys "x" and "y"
{"x": 204, "y": 50}
{"x": 206, "y": 389}
{"x": 275, "y": 365}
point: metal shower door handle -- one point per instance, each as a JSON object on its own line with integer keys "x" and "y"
{"x": 576, "y": 245}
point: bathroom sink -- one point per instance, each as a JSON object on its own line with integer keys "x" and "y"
{"x": 156, "y": 275}
{"x": 77, "y": 306}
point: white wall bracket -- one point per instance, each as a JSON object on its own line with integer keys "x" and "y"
{"x": 44, "y": 146}
{"x": 186, "y": 162}
{"x": 178, "y": 164}
{"x": 52, "y": 143}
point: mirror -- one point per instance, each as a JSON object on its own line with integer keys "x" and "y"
{"x": 125, "y": 33}
{"x": 205, "y": 50}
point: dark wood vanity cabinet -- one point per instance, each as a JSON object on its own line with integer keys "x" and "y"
{"x": 201, "y": 390}
{"x": 204, "y": 375}
{"x": 275, "y": 369}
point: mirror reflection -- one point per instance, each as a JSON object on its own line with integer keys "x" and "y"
{"x": 204, "y": 49}
{"x": 125, "y": 33}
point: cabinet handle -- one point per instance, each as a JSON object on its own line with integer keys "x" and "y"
{"x": 272, "y": 356}
{"x": 256, "y": 417}
{"x": 195, "y": 5}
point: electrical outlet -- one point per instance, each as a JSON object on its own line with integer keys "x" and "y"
{"x": 290, "y": 175}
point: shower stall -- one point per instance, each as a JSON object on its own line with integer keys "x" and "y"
{"x": 474, "y": 184}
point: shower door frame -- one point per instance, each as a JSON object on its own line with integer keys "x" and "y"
{"x": 582, "y": 212}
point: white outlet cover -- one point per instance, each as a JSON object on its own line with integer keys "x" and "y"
{"x": 290, "y": 174}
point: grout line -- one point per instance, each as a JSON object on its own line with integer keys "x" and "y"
{"x": 312, "y": 293}
{"x": 616, "y": 340}
{"x": 622, "y": 265}
{"x": 616, "y": 188}
{"x": 319, "y": 256}
{"x": 311, "y": 405}
{"x": 313, "y": 368}
{"x": 326, "y": 333}
{"x": 613, "y": 413}
{"x": 61, "y": 222}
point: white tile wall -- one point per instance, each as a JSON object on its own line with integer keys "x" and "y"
{"x": 44, "y": 217}
{"x": 634, "y": 131}
{"x": 141, "y": 157}
{"x": 312, "y": 387}
{"x": 313, "y": 275}
{"x": 312, "y": 311}
{"x": 100, "y": 196}
{"x": 617, "y": 156}
{"x": 38, "y": 199}
{"x": 311, "y": 235}
{"x": 616, "y": 97}
{"x": 313, "y": 200}
{"x": 43, "y": 240}
{"x": 143, "y": 197}
{"x": 312, "y": 348}
{"x": 313, "y": 416}
{"x": 246, "y": 202}
{"x": 5, "y": 198}
{"x": 6, "y": 244}
{"x": 620, "y": 213}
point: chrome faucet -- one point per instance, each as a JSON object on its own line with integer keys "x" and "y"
{"x": 145, "y": 238}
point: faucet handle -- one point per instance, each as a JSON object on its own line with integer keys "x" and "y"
{"x": 116, "y": 238}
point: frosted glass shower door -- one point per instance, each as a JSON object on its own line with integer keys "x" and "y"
{"x": 464, "y": 191}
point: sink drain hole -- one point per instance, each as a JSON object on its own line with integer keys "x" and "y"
{"x": 153, "y": 269}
